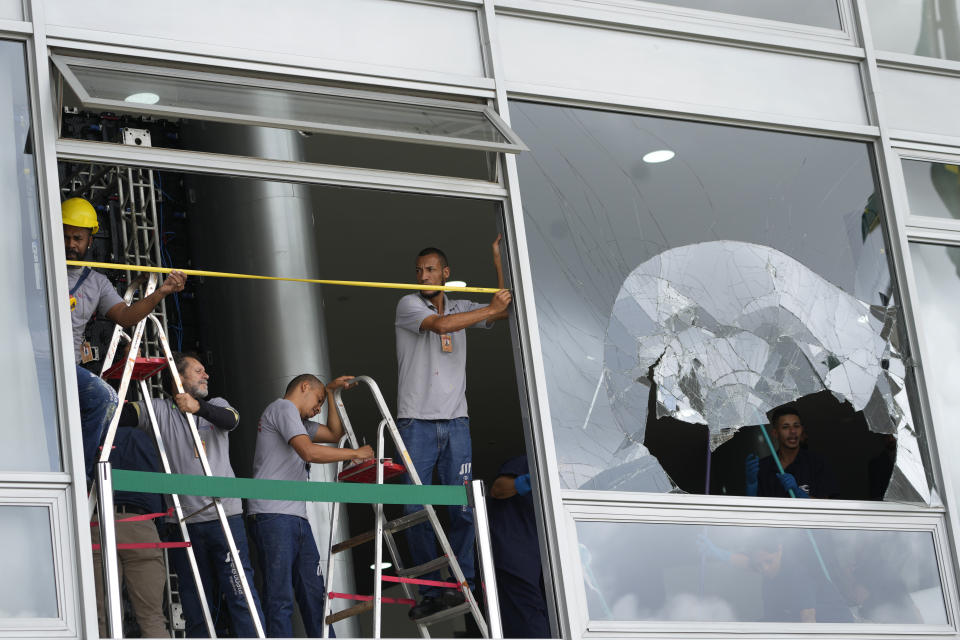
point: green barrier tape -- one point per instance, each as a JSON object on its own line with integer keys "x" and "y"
{"x": 147, "y": 482}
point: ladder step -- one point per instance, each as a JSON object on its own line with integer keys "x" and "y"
{"x": 446, "y": 614}
{"x": 393, "y": 526}
{"x": 143, "y": 368}
{"x": 355, "y": 610}
{"x": 426, "y": 567}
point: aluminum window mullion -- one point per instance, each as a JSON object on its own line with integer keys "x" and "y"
{"x": 278, "y": 170}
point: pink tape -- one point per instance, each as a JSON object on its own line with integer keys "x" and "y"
{"x": 429, "y": 583}
{"x": 148, "y": 545}
{"x": 354, "y": 596}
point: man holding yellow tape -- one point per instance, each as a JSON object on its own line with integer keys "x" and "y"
{"x": 91, "y": 292}
{"x": 432, "y": 405}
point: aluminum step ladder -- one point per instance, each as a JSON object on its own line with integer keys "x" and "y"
{"x": 142, "y": 369}
{"x": 384, "y": 531}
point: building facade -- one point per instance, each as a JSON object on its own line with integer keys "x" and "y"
{"x": 710, "y": 209}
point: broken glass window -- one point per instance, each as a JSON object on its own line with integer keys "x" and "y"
{"x": 688, "y": 572}
{"x": 696, "y": 294}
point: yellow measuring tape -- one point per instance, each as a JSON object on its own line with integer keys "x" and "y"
{"x": 246, "y": 276}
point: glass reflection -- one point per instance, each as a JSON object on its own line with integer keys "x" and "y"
{"x": 28, "y": 588}
{"x": 937, "y": 272}
{"x": 817, "y": 13}
{"x": 26, "y": 379}
{"x": 679, "y": 303}
{"x": 640, "y": 571}
{"x": 933, "y": 189}
{"x": 928, "y": 28}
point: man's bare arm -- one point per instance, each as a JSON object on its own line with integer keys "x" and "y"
{"x": 311, "y": 452}
{"x": 127, "y": 316}
{"x": 457, "y": 321}
{"x": 333, "y": 430}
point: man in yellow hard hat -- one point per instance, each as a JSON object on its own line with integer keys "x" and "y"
{"x": 91, "y": 292}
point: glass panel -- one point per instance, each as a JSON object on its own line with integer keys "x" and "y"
{"x": 691, "y": 278}
{"x": 933, "y": 189}
{"x": 277, "y": 144}
{"x": 937, "y": 272}
{"x": 141, "y": 89}
{"x": 26, "y": 379}
{"x": 678, "y": 572}
{"x": 817, "y": 13}
{"x": 28, "y": 588}
{"x": 927, "y": 28}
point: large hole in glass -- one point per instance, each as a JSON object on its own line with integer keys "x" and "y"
{"x": 681, "y": 302}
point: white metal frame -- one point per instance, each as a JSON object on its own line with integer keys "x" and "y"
{"x": 39, "y": 492}
{"x": 66, "y": 63}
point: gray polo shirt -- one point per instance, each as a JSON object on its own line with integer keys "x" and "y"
{"x": 175, "y": 431}
{"x": 433, "y": 383}
{"x": 275, "y": 459}
{"x": 95, "y": 295}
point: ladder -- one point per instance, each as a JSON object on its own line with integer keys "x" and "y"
{"x": 384, "y": 533}
{"x": 142, "y": 369}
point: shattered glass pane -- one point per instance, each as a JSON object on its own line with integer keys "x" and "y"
{"x": 684, "y": 573}
{"x": 679, "y": 303}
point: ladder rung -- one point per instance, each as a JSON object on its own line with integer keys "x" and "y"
{"x": 446, "y": 614}
{"x": 404, "y": 522}
{"x": 349, "y": 612}
{"x": 426, "y": 567}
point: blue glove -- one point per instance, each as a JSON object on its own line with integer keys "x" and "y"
{"x": 751, "y": 471}
{"x": 522, "y": 484}
{"x": 789, "y": 483}
{"x": 710, "y": 550}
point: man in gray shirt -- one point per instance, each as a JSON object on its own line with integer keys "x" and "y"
{"x": 432, "y": 406}
{"x": 286, "y": 446}
{"x": 91, "y": 292}
{"x": 215, "y": 419}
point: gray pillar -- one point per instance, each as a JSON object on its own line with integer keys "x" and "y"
{"x": 259, "y": 334}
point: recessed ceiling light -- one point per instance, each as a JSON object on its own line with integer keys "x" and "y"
{"x": 456, "y": 283}
{"x": 383, "y": 565}
{"x": 143, "y": 98}
{"x": 660, "y": 155}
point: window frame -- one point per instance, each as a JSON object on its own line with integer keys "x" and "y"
{"x": 64, "y": 63}
{"x": 705, "y": 511}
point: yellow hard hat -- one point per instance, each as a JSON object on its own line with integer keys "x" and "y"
{"x": 78, "y": 212}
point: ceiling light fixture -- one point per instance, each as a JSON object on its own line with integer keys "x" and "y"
{"x": 658, "y": 156}
{"x": 383, "y": 565}
{"x": 456, "y": 283}
{"x": 143, "y": 98}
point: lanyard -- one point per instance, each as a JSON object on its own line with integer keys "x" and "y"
{"x": 83, "y": 276}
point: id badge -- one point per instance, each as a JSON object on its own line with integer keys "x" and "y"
{"x": 203, "y": 443}
{"x": 86, "y": 352}
{"x": 446, "y": 342}
{"x": 73, "y": 303}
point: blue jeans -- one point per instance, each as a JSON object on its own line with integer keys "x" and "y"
{"x": 218, "y": 575}
{"x": 98, "y": 402}
{"x": 444, "y": 444}
{"x": 291, "y": 566}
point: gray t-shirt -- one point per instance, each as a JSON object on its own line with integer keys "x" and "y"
{"x": 95, "y": 295}
{"x": 175, "y": 431}
{"x": 433, "y": 383}
{"x": 275, "y": 459}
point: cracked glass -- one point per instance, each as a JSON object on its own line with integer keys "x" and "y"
{"x": 696, "y": 573}
{"x": 680, "y": 302}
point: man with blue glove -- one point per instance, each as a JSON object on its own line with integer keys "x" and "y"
{"x": 516, "y": 553}
{"x": 806, "y": 474}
